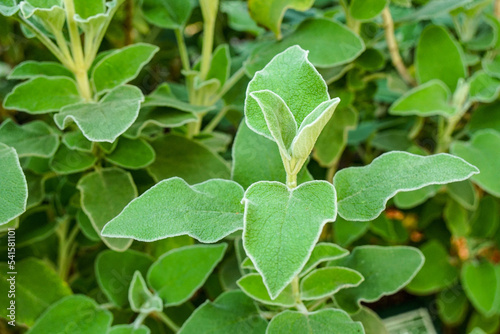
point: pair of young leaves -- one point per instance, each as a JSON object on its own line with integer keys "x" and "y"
{"x": 281, "y": 225}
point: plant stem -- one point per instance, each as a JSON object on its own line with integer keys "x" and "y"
{"x": 208, "y": 38}
{"x": 66, "y": 247}
{"x": 318, "y": 303}
{"x": 444, "y": 139}
{"x": 140, "y": 319}
{"x": 392, "y": 45}
{"x": 330, "y": 172}
{"x": 291, "y": 180}
{"x": 128, "y": 23}
{"x": 167, "y": 321}
{"x": 216, "y": 120}
{"x": 80, "y": 69}
{"x": 296, "y": 294}
{"x": 181, "y": 43}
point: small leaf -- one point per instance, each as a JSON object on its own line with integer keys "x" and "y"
{"x": 485, "y": 117}
{"x": 150, "y": 117}
{"x": 66, "y": 161}
{"x": 370, "y": 320}
{"x": 31, "y": 139}
{"x": 323, "y": 252}
{"x": 386, "y": 270}
{"x": 481, "y": 282}
{"x": 121, "y": 66}
{"x": 483, "y": 151}
{"x": 129, "y": 329}
{"x": 324, "y": 282}
{"x": 73, "y": 314}
{"x": 270, "y": 209}
{"x": 253, "y": 286}
{"x": 31, "y": 69}
{"x": 45, "y": 94}
{"x": 132, "y": 154}
{"x": 163, "y": 96}
{"x": 104, "y": 193}
{"x": 13, "y": 186}
{"x": 239, "y": 18}
{"x": 8, "y": 7}
{"x": 37, "y": 287}
{"x": 346, "y": 232}
{"x": 366, "y": 10}
{"x": 456, "y": 218}
{"x": 87, "y": 8}
{"x": 434, "y": 9}
{"x": 173, "y": 281}
{"x": 364, "y": 191}
{"x": 270, "y": 14}
{"x": 319, "y": 322}
{"x": 107, "y": 119}
{"x": 140, "y": 298}
{"x": 485, "y": 221}
{"x": 483, "y": 88}
{"x": 169, "y": 14}
{"x": 429, "y": 99}
{"x": 75, "y": 140}
{"x": 452, "y": 306}
{"x": 437, "y": 272}
{"x": 232, "y": 312}
{"x": 114, "y": 272}
{"x": 220, "y": 64}
{"x": 439, "y": 56}
{"x": 207, "y": 211}
{"x": 464, "y": 193}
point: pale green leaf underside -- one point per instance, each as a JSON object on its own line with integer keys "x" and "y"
{"x": 31, "y": 139}
{"x": 140, "y": 298}
{"x": 364, "y": 191}
{"x": 273, "y": 215}
{"x": 13, "y": 186}
{"x": 483, "y": 88}
{"x": 173, "y": 281}
{"x": 324, "y": 282}
{"x": 253, "y": 286}
{"x": 207, "y": 211}
{"x": 323, "y": 252}
{"x": 107, "y": 119}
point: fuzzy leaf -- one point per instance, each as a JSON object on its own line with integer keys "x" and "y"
{"x": 140, "y": 298}
{"x": 481, "y": 282}
{"x": 253, "y": 286}
{"x": 483, "y": 151}
{"x": 66, "y": 161}
{"x": 88, "y": 8}
{"x": 483, "y": 88}
{"x": 324, "y": 282}
{"x": 273, "y": 214}
{"x": 364, "y": 191}
{"x": 175, "y": 282}
{"x": 107, "y": 119}
{"x": 13, "y": 186}
{"x": 323, "y": 252}
{"x": 364, "y": 10}
{"x": 207, "y": 211}
{"x": 31, "y": 139}
{"x": 45, "y": 94}
{"x": 121, "y": 66}
{"x": 163, "y": 96}
{"x": 8, "y": 7}
{"x": 32, "y": 69}
{"x": 169, "y": 14}
{"x": 132, "y": 154}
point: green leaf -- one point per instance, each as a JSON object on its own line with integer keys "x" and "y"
{"x": 464, "y": 193}
{"x": 429, "y": 99}
{"x": 150, "y": 117}
{"x": 437, "y": 272}
{"x": 346, "y": 232}
{"x": 370, "y": 320}
{"x": 31, "y": 139}
{"x": 411, "y": 199}
{"x": 371, "y": 60}
{"x": 121, "y": 66}
{"x": 389, "y": 230}
{"x": 104, "y": 193}
{"x": 333, "y": 139}
{"x": 364, "y": 10}
{"x": 386, "y": 270}
{"x": 239, "y": 18}
{"x": 270, "y": 14}
{"x": 173, "y": 281}
{"x": 13, "y": 186}
{"x": 169, "y": 14}
{"x": 452, "y": 306}
{"x": 107, "y": 119}
{"x": 8, "y": 7}
{"x": 485, "y": 117}
{"x": 456, "y": 218}
{"x": 74, "y": 314}
{"x": 207, "y": 211}
{"x": 256, "y": 158}
{"x": 132, "y": 154}
{"x": 319, "y": 322}
{"x": 140, "y": 298}
{"x": 129, "y": 329}
{"x": 50, "y": 14}
{"x": 46, "y": 94}
{"x": 163, "y": 96}
{"x": 86, "y": 226}
{"x": 114, "y": 272}
{"x": 37, "y": 287}
{"x": 66, "y": 161}
{"x": 434, "y": 9}
{"x": 439, "y": 56}
{"x": 270, "y": 209}
{"x": 318, "y": 35}
{"x": 492, "y": 66}
{"x": 323, "y": 252}
{"x": 481, "y": 282}
{"x": 32, "y": 69}
{"x": 324, "y": 282}
{"x": 364, "y": 191}
{"x": 482, "y": 151}
{"x": 87, "y": 8}
{"x": 232, "y": 312}
{"x": 220, "y": 64}
{"x": 75, "y": 140}
{"x": 253, "y": 286}
{"x": 187, "y": 159}
{"x": 485, "y": 221}
{"x": 483, "y": 88}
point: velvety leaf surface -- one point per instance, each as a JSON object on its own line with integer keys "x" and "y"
{"x": 482, "y": 151}
{"x": 132, "y": 154}
{"x": 115, "y": 270}
{"x": 46, "y": 94}
{"x": 464, "y": 193}
{"x": 231, "y": 312}
{"x": 32, "y": 69}
{"x": 77, "y": 314}
{"x": 323, "y": 252}
{"x": 366, "y": 10}
{"x": 481, "y": 282}
{"x": 483, "y": 88}
{"x": 253, "y": 286}
{"x": 31, "y": 139}
{"x": 67, "y": 161}
{"x": 88, "y": 8}
{"x": 163, "y": 96}
{"x": 319, "y": 322}
{"x": 169, "y": 14}
{"x": 140, "y": 298}
{"x": 273, "y": 214}
{"x": 364, "y": 191}
{"x": 37, "y": 287}
{"x": 386, "y": 270}
{"x": 104, "y": 193}
{"x": 13, "y": 186}
{"x": 324, "y": 282}
{"x": 207, "y": 211}
{"x": 105, "y": 120}
{"x": 173, "y": 281}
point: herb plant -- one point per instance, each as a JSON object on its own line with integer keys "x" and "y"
{"x": 248, "y": 167}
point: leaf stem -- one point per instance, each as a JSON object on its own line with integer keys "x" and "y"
{"x": 167, "y": 321}
{"x": 208, "y": 36}
{"x": 66, "y": 247}
{"x": 181, "y": 43}
{"x": 296, "y": 294}
{"x": 216, "y": 120}
{"x": 392, "y": 45}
